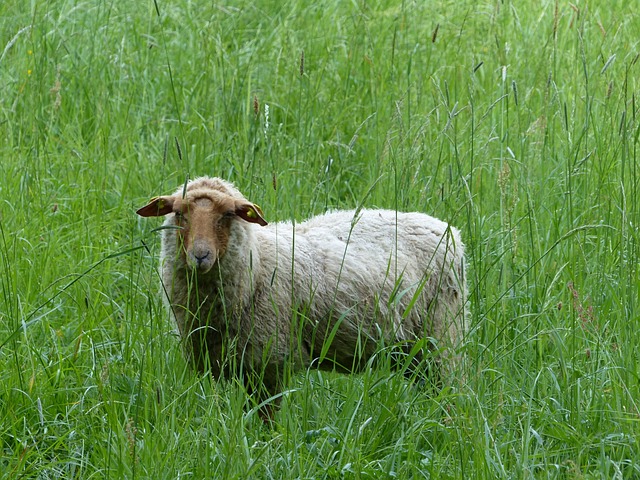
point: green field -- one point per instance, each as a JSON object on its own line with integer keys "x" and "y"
{"x": 518, "y": 122}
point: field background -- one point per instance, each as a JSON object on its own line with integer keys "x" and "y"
{"x": 516, "y": 121}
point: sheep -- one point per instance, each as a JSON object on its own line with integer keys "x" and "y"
{"x": 256, "y": 301}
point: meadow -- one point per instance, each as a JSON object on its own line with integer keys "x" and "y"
{"x": 515, "y": 121}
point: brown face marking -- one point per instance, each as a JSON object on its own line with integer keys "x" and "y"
{"x": 205, "y": 229}
{"x": 204, "y": 216}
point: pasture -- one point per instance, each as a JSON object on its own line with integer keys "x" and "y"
{"x": 517, "y": 122}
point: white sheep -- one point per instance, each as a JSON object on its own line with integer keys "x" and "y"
{"x": 254, "y": 300}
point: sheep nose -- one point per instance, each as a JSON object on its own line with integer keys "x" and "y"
{"x": 201, "y": 258}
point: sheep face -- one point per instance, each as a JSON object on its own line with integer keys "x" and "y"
{"x": 202, "y": 223}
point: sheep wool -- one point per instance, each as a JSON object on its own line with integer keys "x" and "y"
{"x": 259, "y": 300}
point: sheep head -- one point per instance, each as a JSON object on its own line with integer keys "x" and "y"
{"x": 203, "y": 221}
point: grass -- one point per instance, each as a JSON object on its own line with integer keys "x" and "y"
{"x": 516, "y": 121}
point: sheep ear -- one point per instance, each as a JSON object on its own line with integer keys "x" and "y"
{"x": 156, "y": 207}
{"x": 250, "y": 212}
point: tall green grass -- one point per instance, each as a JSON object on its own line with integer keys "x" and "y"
{"x": 515, "y": 121}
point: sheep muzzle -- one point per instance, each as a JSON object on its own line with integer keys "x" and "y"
{"x": 201, "y": 257}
